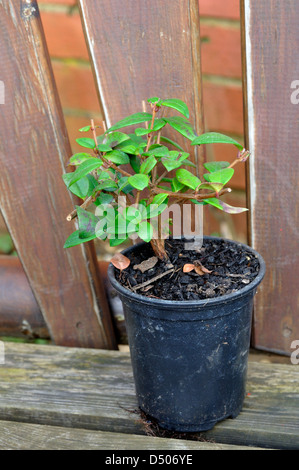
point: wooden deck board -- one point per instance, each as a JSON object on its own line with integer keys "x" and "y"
{"x": 93, "y": 390}
{"x": 25, "y": 436}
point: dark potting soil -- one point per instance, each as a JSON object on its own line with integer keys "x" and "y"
{"x": 231, "y": 268}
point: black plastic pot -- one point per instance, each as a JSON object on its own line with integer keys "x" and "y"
{"x": 189, "y": 358}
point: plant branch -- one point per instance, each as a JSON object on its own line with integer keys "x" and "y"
{"x": 199, "y": 197}
{"x": 84, "y": 205}
{"x": 149, "y": 138}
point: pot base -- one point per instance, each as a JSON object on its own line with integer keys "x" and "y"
{"x": 189, "y": 428}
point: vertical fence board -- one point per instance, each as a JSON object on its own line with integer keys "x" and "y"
{"x": 144, "y": 49}
{"x": 271, "y": 69}
{"x": 33, "y": 198}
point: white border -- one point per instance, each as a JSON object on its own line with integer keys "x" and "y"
{"x": 251, "y": 115}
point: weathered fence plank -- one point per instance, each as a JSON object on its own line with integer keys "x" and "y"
{"x": 139, "y": 50}
{"x": 20, "y": 313}
{"x": 271, "y": 77}
{"x": 34, "y": 202}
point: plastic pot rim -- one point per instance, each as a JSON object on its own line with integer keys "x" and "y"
{"x": 183, "y": 304}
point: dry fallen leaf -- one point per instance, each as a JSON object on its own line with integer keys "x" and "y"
{"x": 188, "y": 267}
{"x": 146, "y": 264}
{"x": 120, "y": 261}
{"x": 199, "y": 271}
{"x": 201, "y": 268}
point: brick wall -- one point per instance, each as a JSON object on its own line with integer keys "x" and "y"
{"x": 223, "y": 99}
{"x": 222, "y": 87}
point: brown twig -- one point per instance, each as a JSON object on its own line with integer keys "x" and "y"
{"x": 149, "y": 137}
{"x": 85, "y": 204}
{"x": 153, "y": 279}
{"x": 190, "y": 196}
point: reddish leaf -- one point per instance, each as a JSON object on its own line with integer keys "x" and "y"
{"x": 120, "y": 261}
{"x": 199, "y": 271}
{"x": 188, "y": 267}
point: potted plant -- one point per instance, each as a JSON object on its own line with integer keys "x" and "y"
{"x": 188, "y": 307}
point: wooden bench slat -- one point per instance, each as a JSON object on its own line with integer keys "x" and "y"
{"x": 25, "y": 436}
{"x": 93, "y": 389}
{"x": 34, "y": 148}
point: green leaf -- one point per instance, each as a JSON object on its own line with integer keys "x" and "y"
{"x": 85, "y": 129}
{"x": 155, "y": 100}
{"x": 86, "y": 142}
{"x": 104, "y": 148}
{"x": 171, "y": 142}
{"x": 120, "y": 226}
{"x": 118, "y": 157}
{"x": 176, "y": 185}
{"x": 74, "y": 239}
{"x": 139, "y": 181}
{"x": 145, "y": 231}
{"x": 187, "y": 178}
{"x": 148, "y": 165}
{"x": 132, "y": 214}
{"x": 87, "y": 223}
{"x": 123, "y": 185}
{"x": 128, "y": 146}
{"x": 135, "y": 118}
{"x": 80, "y": 188}
{"x": 6, "y": 243}
{"x": 188, "y": 163}
{"x": 215, "y": 166}
{"x": 215, "y": 138}
{"x": 104, "y": 198}
{"x": 181, "y": 125}
{"x": 179, "y": 105}
{"x": 85, "y": 168}
{"x": 174, "y": 159}
{"x": 212, "y": 186}
{"x": 78, "y": 158}
{"x": 142, "y": 131}
{"x": 107, "y": 184}
{"x": 159, "y": 198}
{"x": 220, "y": 176}
{"x": 113, "y": 139}
{"x": 158, "y": 124}
{"x": 135, "y": 163}
{"x": 153, "y": 210}
{"x": 157, "y": 150}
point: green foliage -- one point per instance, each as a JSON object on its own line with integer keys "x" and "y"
{"x": 119, "y": 168}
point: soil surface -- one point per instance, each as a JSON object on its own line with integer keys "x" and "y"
{"x": 216, "y": 269}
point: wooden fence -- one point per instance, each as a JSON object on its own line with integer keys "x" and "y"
{"x": 137, "y": 51}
